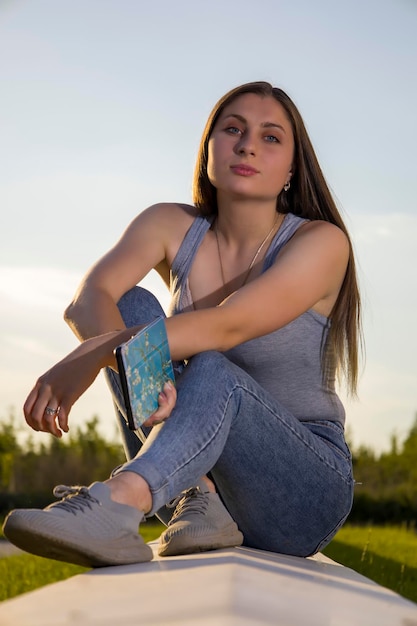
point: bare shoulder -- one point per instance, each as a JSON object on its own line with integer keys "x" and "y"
{"x": 316, "y": 244}
{"x": 170, "y": 211}
{"x": 322, "y": 227}
{"x": 163, "y": 226}
{"x": 165, "y": 221}
{"x": 150, "y": 241}
{"x": 321, "y": 233}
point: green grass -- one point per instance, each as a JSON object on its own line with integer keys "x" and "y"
{"x": 387, "y": 555}
{"x": 24, "y": 572}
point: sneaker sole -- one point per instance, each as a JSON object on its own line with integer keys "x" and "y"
{"x": 51, "y": 547}
{"x": 178, "y": 545}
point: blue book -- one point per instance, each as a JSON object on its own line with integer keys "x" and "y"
{"x": 145, "y": 365}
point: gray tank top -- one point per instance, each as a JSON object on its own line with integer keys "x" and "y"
{"x": 286, "y": 362}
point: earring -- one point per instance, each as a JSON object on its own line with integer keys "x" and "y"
{"x": 287, "y": 185}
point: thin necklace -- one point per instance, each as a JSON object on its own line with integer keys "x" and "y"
{"x": 252, "y": 263}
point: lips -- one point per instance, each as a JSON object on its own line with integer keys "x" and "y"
{"x": 241, "y": 169}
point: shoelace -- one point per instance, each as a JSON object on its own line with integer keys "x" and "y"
{"x": 191, "y": 501}
{"x": 74, "y": 499}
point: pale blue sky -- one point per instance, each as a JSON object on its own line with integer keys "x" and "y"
{"x": 101, "y": 110}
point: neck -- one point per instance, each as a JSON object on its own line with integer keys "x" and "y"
{"x": 259, "y": 254}
{"x": 245, "y": 222}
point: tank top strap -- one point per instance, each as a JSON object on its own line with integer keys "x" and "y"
{"x": 288, "y": 227}
{"x": 184, "y": 258}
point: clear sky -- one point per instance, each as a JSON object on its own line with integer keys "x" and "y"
{"x": 102, "y": 106}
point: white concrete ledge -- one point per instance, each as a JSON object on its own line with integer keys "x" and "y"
{"x": 220, "y": 588}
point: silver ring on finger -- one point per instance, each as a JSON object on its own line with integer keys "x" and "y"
{"x": 50, "y": 411}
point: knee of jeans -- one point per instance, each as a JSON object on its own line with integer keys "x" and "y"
{"x": 210, "y": 358}
{"x": 214, "y": 368}
{"x": 139, "y": 306}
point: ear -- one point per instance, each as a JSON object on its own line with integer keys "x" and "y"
{"x": 290, "y": 173}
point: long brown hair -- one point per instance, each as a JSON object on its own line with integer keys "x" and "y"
{"x": 308, "y": 197}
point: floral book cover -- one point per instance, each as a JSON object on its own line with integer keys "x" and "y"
{"x": 144, "y": 364}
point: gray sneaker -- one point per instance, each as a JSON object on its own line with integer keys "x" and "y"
{"x": 200, "y": 522}
{"x": 85, "y": 527}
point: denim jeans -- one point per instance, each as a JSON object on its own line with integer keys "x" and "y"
{"x": 287, "y": 483}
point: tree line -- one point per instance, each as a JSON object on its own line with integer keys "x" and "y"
{"x": 28, "y": 472}
{"x": 386, "y": 483}
{"x": 385, "y": 490}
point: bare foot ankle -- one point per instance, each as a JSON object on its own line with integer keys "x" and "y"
{"x": 209, "y": 484}
{"x": 131, "y": 489}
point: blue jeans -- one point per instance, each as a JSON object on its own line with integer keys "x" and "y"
{"x": 288, "y": 484}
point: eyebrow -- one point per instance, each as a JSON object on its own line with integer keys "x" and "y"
{"x": 263, "y": 125}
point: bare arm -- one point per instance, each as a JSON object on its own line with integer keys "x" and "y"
{"x": 147, "y": 244}
{"x": 310, "y": 270}
{"x": 308, "y": 273}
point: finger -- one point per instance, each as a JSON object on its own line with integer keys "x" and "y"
{"x": 154, "y": 420}
{"x": 49, "y": 425}
{"x": 63, "y": 417}
{"x": 58, "y": 424}
{"x": 168, "y": 396}
{"x": 166, "y": 400}
{"x": 160, "y": 415}
{"x": 35, "y": 406}
{"x": 28, "y": 408}
{"x": 170, "y": 391}
{"x": 29, "y": 402}
{"x": 41, "y": 409}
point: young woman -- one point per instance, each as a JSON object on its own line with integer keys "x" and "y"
{"x": 265, "y": 311}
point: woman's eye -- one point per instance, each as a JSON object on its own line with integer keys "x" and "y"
{"x": 272, "y": 139}
{"x": 233, "y": 130}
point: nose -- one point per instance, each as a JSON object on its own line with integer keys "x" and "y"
{"x": 246, "y": 144}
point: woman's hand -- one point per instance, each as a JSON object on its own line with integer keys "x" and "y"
{"x": 49, "y": 403}
{"x": 166, "y": 400}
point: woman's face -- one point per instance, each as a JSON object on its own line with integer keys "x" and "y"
{"x": 251, "y": 148}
